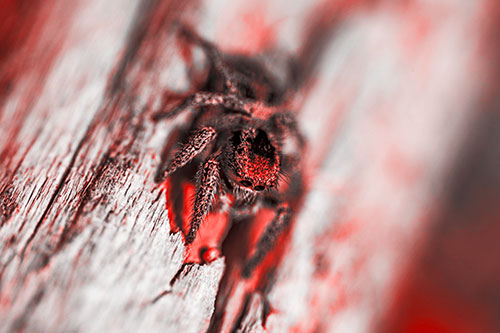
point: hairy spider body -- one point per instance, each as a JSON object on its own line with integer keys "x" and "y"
{"x": 242, "y": 141}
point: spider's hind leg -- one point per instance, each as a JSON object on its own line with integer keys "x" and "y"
{"x": 214, "y": 55}
{"x": 267, "y": 240}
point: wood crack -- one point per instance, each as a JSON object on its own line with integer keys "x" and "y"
{"x": 54, "y": 196}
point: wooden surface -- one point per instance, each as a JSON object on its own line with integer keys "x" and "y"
{"x": 85, "y": 238}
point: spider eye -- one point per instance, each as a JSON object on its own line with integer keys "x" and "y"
{"x": 246, "y": 183}
{"x": 259, "y": 188}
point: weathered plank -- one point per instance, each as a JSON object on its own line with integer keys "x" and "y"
{"x": 88, "y": 245}
{"x": 85, "y": 239}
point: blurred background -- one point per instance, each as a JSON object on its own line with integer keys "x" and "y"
{"x": 399, "y": 230}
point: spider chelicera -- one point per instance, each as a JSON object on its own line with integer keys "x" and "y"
{"x": 243, "y": 142}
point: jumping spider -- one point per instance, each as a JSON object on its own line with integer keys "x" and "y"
{"x": 243, "y": 142}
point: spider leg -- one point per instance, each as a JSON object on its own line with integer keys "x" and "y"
{"x": 231, "y": 102}
{"x": 206, "y": 98}
{"x": 285, "y": 122}
{"x": 267, "y": 240}
{"x": 214, "y": 56}
{"x": 206, "y": 187}
{"x": 193, "y": 147}
{"x": 234, "y": 103}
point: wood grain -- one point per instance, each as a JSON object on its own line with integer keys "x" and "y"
{"x": 85, "y": 237}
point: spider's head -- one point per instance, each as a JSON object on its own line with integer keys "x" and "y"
{"x": 256, "y": 163}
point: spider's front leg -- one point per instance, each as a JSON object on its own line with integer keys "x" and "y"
{"x": 195, "y": 145}
{"x": 267, "y": 240}
{"x": 206, "y": 188}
